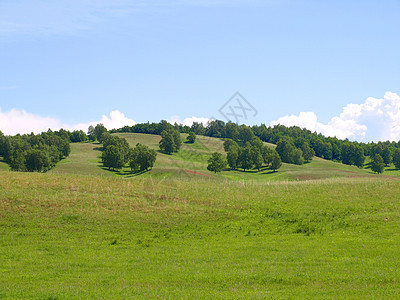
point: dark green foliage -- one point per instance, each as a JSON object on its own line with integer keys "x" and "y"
{"x": 386, "y": 156}
{"x": 78, "y": 136}
{"x": 352, "y": 154}
{"x": 112, "y": 157}
{"x": 377, "y": 164}
{"x": 245, "y": 157}
{"x": 232, "y": 131}
{"x": 276, "y": 161}
{"x": 191, "y": 137}
{"x": 288, "y": 152}
{"x": 32, "y": 152}
{"x": 256, "y": 157}
{"x": 233, "y": 157}
{"x": 245, "y": 134}
{"x": 98, "y": 131}
{"x": 308, "y": 152}
{"x": 216, "y": 163}
{"x": 142, "y": 158}
{"x": 396, "y": 158}
{"x": 37, "y": 160}
{"x": 228, "y": 143}
{"x": 170, "y": 141}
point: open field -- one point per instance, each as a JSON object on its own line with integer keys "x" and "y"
{"x": 321, "y": 230}
{"x": 71, "y": 236}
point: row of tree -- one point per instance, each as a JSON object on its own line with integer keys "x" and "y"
{"x": 33, "y": 152}
{"x": 252, "y": 154}
{"x": 117, "y": 153}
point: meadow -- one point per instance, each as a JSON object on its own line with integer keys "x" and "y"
{"x": 323, "y": 231}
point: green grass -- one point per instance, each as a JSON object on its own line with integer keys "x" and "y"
{"x": 66, "y": 236}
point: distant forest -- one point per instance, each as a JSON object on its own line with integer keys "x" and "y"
{"x": 41, "y": 152}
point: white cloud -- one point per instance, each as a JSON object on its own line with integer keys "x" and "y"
{"x": 116, "y": 120}
{"x": 188, "y": 121}
{"x": 375, "y": 119}
{"x": 19, "y": 121}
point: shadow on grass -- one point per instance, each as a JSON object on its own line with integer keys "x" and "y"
{"x": 125, "y": 173}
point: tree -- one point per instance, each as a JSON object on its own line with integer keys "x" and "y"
{"x": 245, "y": 133}
{"x": 112, "y": 158}
{"x": 308, "y": 152}
{"x": 228, "y": 143}
{"x": 17, "y": 162}
{"x": 386, "y": 156}
{"x": 78, "y": 136}
{"x": 358, "y": 156}
{"x": 91, "y": 133}
{"x": 191, "y": 137}
{"x": 396, "y": 158}
{"x": 233, "y": 157}
{"x": 167, "y": 143}
{"x": 377, "y": 164}
{"x": 98, "y": 131}
{"x": 216, "y": 163}
{"x": 142, "y": 157}
{"x": 37, "y": 160}
{"x": 276, "y": 161}
{"x": 297, "y": 157}
{"x": 256, "y": 157}
{"x": 245, "y": 159}
{"x": 177, "y": 139}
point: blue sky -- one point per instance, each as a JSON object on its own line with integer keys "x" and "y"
{"x": 70, "y": 63}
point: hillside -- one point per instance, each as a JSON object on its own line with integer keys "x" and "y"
{"x": 191, "y": 161}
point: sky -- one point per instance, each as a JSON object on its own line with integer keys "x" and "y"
{"x": 328, "y": 66}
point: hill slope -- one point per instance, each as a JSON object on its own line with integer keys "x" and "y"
{"x": 191, "y": 161}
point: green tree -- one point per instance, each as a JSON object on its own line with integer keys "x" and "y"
{"x": 297, "y": 157}
{"x": 377, "y": 164}
{"x": 245, "y": 133}
{"x": 396, "y": 158}
{"x": 386, "y": 156}
{"x": 191, "y": 137}
{"x": 167, "y": 143}
{"x": 142, "y": 158}
{"x": 91, "y": 134}
{"x": 112, "y": 157}
{"x": 98, "y": 131}
{"x": 228, "y": 143}
{"x": 308, "y": 152}
{"x": 233, "y": 157}
{"x": 276, "y": 161}
{"x": 17, "y": 161}
{"x": 177, "y": 139}
{"x": 256, "y": 157}
{"x": 216, "y": 163}
{"x": 286, "y": 150}
{"x": 37, "y": 160}
{"x": 245, "y": 159}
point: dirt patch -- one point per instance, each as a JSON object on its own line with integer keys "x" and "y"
{"x": 197, "y": 173}
{"x": 343, "y": 171}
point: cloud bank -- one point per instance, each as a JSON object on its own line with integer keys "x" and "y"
{"x": 19, "y": 121}
{"x": 375, "y": 119}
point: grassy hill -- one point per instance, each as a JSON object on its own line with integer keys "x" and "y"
{"x": 191, "y": 162}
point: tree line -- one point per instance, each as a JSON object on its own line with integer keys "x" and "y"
{"x": 32, "y": 152}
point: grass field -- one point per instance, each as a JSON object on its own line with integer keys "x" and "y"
{"x": 71, "y": 236}
{"x": 322, "y": 230}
